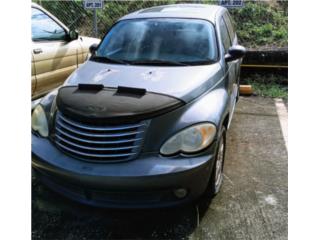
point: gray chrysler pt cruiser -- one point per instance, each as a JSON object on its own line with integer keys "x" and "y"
{"x": 143, "y": 122}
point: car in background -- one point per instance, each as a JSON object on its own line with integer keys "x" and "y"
{"x": 56, "y": 51}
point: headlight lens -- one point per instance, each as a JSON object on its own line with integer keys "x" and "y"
{"x": 190, "y": 140}
{"x": 39, "y": 121}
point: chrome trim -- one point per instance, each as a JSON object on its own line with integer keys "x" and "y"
{"x": 71, "y": 129}
{"x": 96, "y": 148}
{"x": 90, "y": 143}
{"x": 96, "y": 155}
{"x": 98, "y": 142}
{"x": 87, "y": 127}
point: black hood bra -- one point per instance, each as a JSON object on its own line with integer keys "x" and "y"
{"x": 95, "y": 103}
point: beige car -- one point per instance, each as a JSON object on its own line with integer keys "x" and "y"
{"x": 56, "y": 51}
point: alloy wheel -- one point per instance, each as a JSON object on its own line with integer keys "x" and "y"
{"x": 219, "y": 165}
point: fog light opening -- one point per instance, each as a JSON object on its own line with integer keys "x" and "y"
{"x": 180, "y": 192}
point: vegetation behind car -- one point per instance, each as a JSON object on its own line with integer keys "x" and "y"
{"x": 260, "y": 24}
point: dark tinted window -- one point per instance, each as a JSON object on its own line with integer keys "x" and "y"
{"x": 224, "y": 35}
{"x": 229, "y": 23}
{"x": 179, "y": 40}
{"x": 45, "y": 28}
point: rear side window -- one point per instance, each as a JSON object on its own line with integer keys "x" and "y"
{"x": 44, "y": 28}
{"x": 226, "y": 42}
{"x": 230, "y": 26}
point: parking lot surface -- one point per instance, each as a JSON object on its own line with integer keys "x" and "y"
{"x": 252, "y": 204}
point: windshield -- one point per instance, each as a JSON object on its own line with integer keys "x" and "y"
{"x": 159, "y": 41}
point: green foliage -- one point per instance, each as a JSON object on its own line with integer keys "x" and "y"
{"x": 270, "y": 90}
{"x": 258, "y": 23}
{"x": 262, "y": 23}
{"x": 268, "y": 85}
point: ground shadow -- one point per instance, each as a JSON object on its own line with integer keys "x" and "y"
{"x": 55, "y": 217}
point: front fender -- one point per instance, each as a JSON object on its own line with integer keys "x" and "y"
{"x": 212, "y": 107}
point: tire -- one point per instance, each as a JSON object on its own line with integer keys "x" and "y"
{"x": 215, "y": 184}
{"x": 238, "y": 93}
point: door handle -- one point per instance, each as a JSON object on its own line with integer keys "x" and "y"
{"x": 37, "y": 50}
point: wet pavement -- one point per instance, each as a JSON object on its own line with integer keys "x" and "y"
{"x": 252, "y": 204}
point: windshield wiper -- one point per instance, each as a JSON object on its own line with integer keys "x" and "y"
{"x": 202, "y": 62}
{"x": 157, "y": 62}
{"x": 109, "y": 60}
{"x": 54, "y": 32}
{"x": 46, "y": 39}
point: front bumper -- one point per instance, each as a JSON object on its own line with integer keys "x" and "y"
{"x": 148, "y": 181}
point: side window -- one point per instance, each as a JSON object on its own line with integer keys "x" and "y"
{"x": 230, "y": 27}
{"x": 45, "y": 28}
{"x": 224, "y": 35}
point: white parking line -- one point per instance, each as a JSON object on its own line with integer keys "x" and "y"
{"x": 283, "y": 118}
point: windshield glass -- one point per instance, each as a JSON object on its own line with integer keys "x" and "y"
{"x": 160, "y": 41}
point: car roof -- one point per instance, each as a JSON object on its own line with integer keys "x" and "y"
{"x": 199, "y": 11}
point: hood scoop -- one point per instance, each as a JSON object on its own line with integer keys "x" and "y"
{"x": 129, "y": 90}
{"x": 94, "y": 103}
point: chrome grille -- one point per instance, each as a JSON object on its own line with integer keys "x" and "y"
{"x": 99, "y": 143}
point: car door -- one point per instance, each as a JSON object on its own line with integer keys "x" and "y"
{"x": 55, "y": 58}
{"x": 230, "y": 67}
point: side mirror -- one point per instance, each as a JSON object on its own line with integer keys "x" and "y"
{"x": 73, "y": 35}
{"x": 93, "y": 48}
{"x": 234, "y": 53}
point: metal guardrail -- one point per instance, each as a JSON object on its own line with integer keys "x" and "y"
{"x": 266, "y": 59}
{"x": 262, "y": 66}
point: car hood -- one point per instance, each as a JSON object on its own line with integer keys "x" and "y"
{"x": 182, "y": 82}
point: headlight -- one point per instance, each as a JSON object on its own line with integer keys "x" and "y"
{"x": 190, "y": 140}
{"x": 39, "y": 121}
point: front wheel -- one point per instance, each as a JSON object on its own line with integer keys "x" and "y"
{"x": 216, "y": 178}
{"x": 238, "y": 88}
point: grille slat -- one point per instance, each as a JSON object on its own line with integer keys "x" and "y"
{"x": 95, "y": 155}
{"x": 87, "y": 127}
{"x": 95, "y": 148}
{"x": 99, "y": 143}
{"x": 99, "y": 135}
